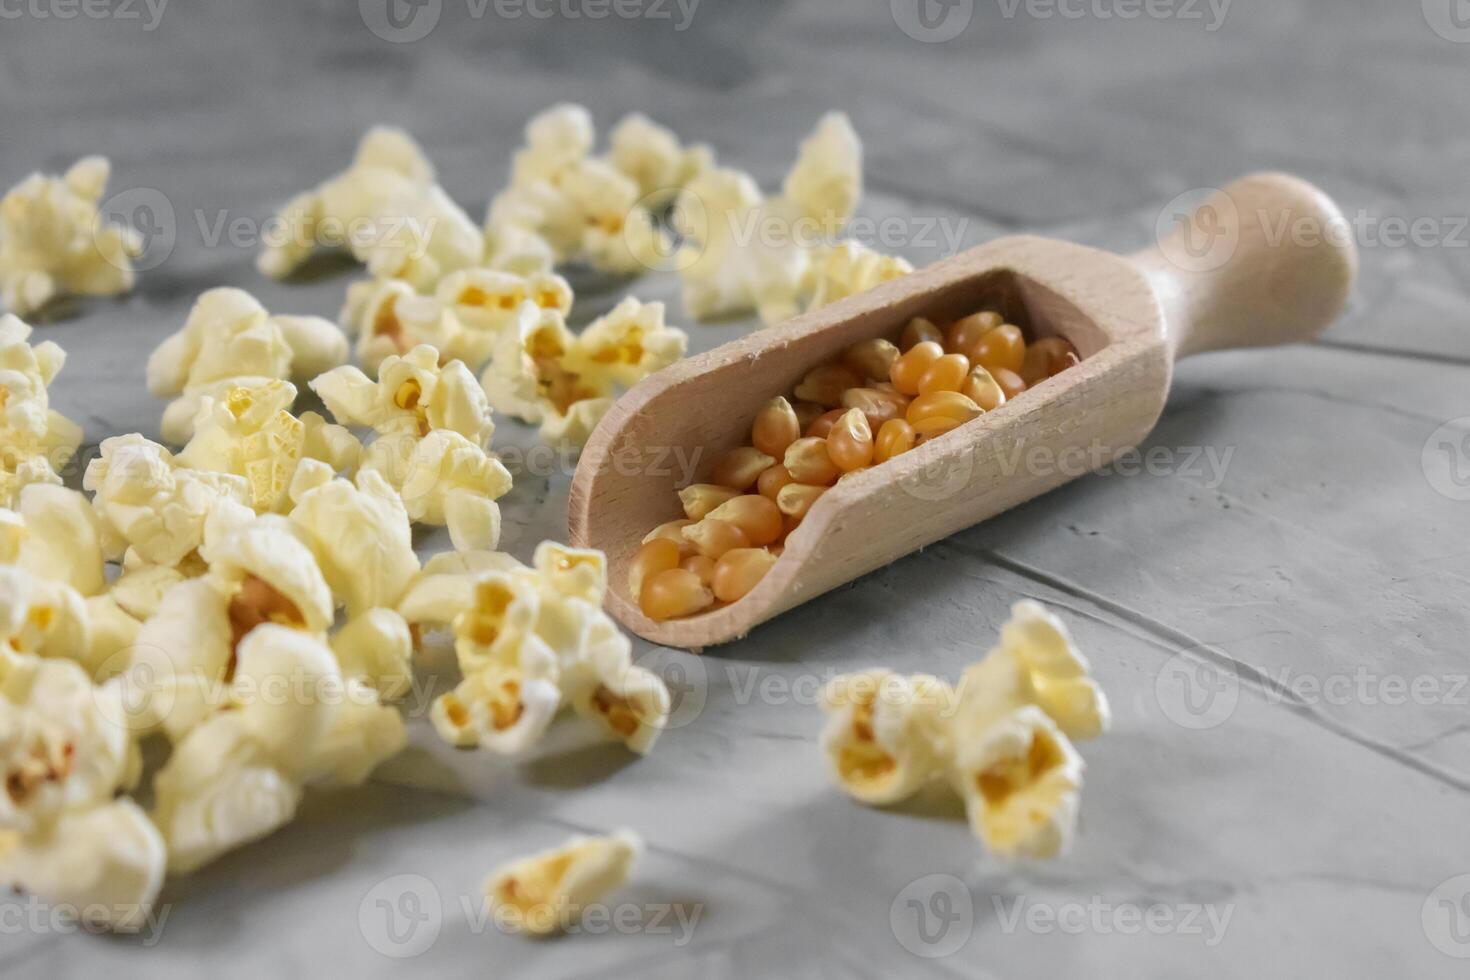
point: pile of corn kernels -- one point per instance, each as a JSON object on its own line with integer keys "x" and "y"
{"x": 877, "y": 401}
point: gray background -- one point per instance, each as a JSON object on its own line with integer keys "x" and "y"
{"x": 1321, "y": 822}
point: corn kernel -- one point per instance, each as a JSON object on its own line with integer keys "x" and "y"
{"x": 825, "y": 385}
{"x": 808, "y": 461}
{"x": 806, "y": 414}
{"x": 963, "y": 334}
{"x": 701, "y": 498}
{"x": 850, "y": 445}
{"x": 934, "y": 426}
{"x": 912, "y": 365}
{"x": 701, "y": 566}
{"x": 877, "y": 404}
{"x": 712, "y": 538}
{"x": 1002, "y": 347}
{"x": 672, "y": 593}
{"x": 894, "y": 438}
{"x": 776, "y": 426}
{"x": 658, "y": 555}
{"x": 946, "y": 374}
{"x": 797, "y": 498}
{"x": 1047, "y": 357}
{"x": 872, "y": 358}
{"x": 822, "y": 427}
{"x": 758, "y": 517}
{"x": 673, "y": 531}
{"x": 1010, "y": 382}
{"x": 738, "y": 572}
{"x": 917, "y": 332}
{"x": 982, "y": 389}
{"x": 949, "y": 404}
{"x": 772, "y": 480}
{"x": 739, "y": 468}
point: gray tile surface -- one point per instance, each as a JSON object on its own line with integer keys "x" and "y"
{"x": 1322, "y": 567}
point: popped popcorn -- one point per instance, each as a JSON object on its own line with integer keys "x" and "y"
{"x": 652, "y": 156}
{"x": 43, "y": 617}
{"x": 850, "y": 268}
{"x": 376, "y": 648}
{"x": 251, "y": 433}
{"x": 53, "y": 241}
{"x": 229, "y": 340}
{"x": 884, "y": 734}
{"x": 387, "y": 209}
{"x": 413, "y": 395}
{"x": 62, "y": 538}
{"x": 547, "y": 892}
{"x": 35, "y": 439}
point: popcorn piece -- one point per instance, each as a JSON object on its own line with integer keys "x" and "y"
{"x": 150, "y": 504}
{"x": 229, "y": 340}
{"x": 271, "y": 575}
{"x": 105, "y": 865}
{"x": 63, "y": 538}
{"x": 574, "y": 573}
{"x": 413, "y": 395}
{"x": 851, "y": 268}
{"x": 883, "y": 738}
{"x": 572, "y": 429}
{"x": 630, "y": 703}
{"x": 387, "y": 210}
{"x": 628, "y": 344}
{"x": 35, "y": 440}
{"x": 43, "y": 617}
{"x": 377, "y": 649}
{"x": 826, "y": 182}
{"x": 364, "y": 733}
{"x": 653, "y": 158}
{"x": 547, "y": 892}
{"x": 360, "y": 536}
{"x": 528, "y": 376}
{"x": 53, "y": 241}
{"x": 250, "y": 433}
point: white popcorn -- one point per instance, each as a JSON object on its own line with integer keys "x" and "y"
{"x": 272, "y": 575}
{"x": 571, "y": 429}
{"x": 386, "y": 315}
{"x": 53, "y": 241}
{"x": 826, "y": 182}
{"x": 528, "y": 376}
{"x": 574, "y": 573}
{"x": 35, "y": 440}
{"x": 628, "y": 344}
{"x": 63, "y": 538}
{"x": 628, "y": 702}
{"x": 359, "y": 533}
{"x": 114, "y": 631}
{"x": 445, "y": 586}
{"x": 44, "y": 617}
{"x": 413, "y": 395}
{"x": 376, "y": 648}
{"x": 653, "y": 158}
{"x": 227, "y": 340}
{"x": 387, "y": 210}
{"x": 548, "y": 892}
{"x": 883, "y": 738}
{"x": 150, "y": 504}
{"x": 103, "y": 865}
{"x": 363, "y": 734}
{"x": 850, "y": 268}
{"x": 251, "y": 433}
{"x": 503, "y": 707}
{"x": 139, "y": 590}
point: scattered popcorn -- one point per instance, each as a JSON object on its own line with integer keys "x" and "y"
{"x": 251, "y": 433}
{"x": 43, "y": 617}
{"x": 387, "y": 210}
{"x": 376, "y": 648}
{"x": 62, "y": 538}
{"x": 53, "y": 241}
{"x": 228, "y": 341}
{"x": 826, "y": 182}
{"x": 547, "y": 892}
{"x": 849, "y": 269}
{"x": 884, "y": 734}
{"x": 653, "y": 158}
{"x": 35, "y": 440}
{"x": 413, "y": 395}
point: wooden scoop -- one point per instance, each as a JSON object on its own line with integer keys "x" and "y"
{"x": 1265, "y": 261}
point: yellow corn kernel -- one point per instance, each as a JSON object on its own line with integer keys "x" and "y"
{"x": 825, "y": 385}
{"x": 1047, "y": 357}
{"x": 738, "y": 572}
{"x": 946, "y": 374}
{"x": 701, "y": 566}
{"x": 872, "y": 358}
{"x": 878, "y": 404}
{"x": 701, "y": 498}
{"x": 797, "y": 498}
{"x": 673, "y": 593}
{"x": 712, "y": 538}
{"x": 822, "y": 426}
{"x": 982, "y": 389}
{"x": 910, "y": 367}
{"x": 917, "y": 332}
{"x": 894, "y": 438}
{"x": 934, "y": 426}
{"x": 949, "y": 404}
{"x": 658, "y": 555}
{"x": 673, "y": 531}
{"x": 1010, "y": 382}
{"x": 776, "y": 426}
{"x": 1001, "y": 347}
{"x": 808, "y": 462}
{"x": 772, "y": 480}
{"x": 962, "y": 335}
{"x": 739, "y": 468}
{"x": 850, "y": 445}
{"x": 758, "y": 517}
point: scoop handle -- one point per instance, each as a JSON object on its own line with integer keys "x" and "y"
{"x": 1266, "y": 260}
